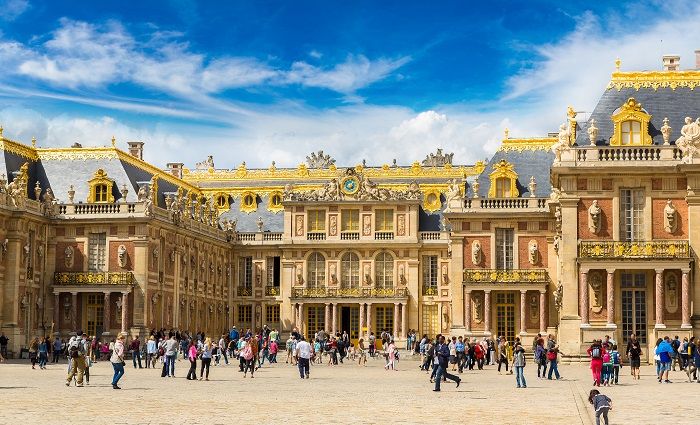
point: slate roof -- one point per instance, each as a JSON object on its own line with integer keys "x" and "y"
{"x": 526, "y": 163}
{"x": 248, "y": 222}
{"x": 660, "y": 103}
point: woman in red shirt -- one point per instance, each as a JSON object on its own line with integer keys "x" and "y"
{"x": 596, "y": 352}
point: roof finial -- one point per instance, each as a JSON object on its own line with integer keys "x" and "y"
{"x": 114, "y": 142}
{"x": 1, "y": 130}
{"x": 505, "y": 132}
{"x": 33, "y": 142}
{"x": 618, "y": 62}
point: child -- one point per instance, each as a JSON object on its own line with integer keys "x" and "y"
{"x": 602, "y": 404}
{"x": 607, "y": 368}
{"x": 617, "y": 364}
{"x": 273, "y": 351}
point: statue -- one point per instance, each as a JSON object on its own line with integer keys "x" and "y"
{"x": 690, "y": 139}
{"x": 555, "y": 195}
{"x": 445, "y": 317}
{"x": 205, "y": 165}
{"x": 594, "y": 213}
{"x": 68, "y": 257}
{"x": 300, "y": 276}
{"x": 37, "y": 192}
{"x": 557, "y": 218}
{"x": 121, "y": 256}
{"x": 454, "y": 191}
{"x": 666, "y": 132}
{"x": 475, "y": 189}
{"x": 557, "y": 243}
{"x": 532, "y": 186}
{"x": 562, "y": 144}
{"x": 670, "y": 221}
{"x": 48, "y": 204}
{"x": 71, "y": 194}
{"x": 319, "y": 160}
{"x": 533, "y": 253}
{"x": 142, "y": 194}
{"x": 476, "y": 253}
{"x": 478, "y": 308}
{"x": 592, "y": 132}
{"x": 559, "y": 297}
{"x": 437, "y": 159}
{"x": 445, "y": 274}
{"x": 260, "y": 224}
{"x": 367, "y": 275}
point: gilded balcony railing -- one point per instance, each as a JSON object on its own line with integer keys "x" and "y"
{"x": 244, "y": 291}
{"x": 637, "y": 249}
{"x": 272, "y": 290}
{"x": 430, "y": 290}
{"x": 505, "y": 276}
{"x": 93, "y": 278}
{"x": 323, "y": 292}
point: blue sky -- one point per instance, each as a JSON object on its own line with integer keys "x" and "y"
{"x": 274, "y": 80}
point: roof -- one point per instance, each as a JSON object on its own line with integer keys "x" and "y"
{"x": 526, "y": 163}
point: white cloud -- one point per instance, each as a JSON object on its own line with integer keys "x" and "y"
{"x": 12, "y": 9}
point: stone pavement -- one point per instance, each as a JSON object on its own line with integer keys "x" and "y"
{"x": 345, "y": 393}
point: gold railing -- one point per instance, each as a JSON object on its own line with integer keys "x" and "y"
{"x": 272, "y": 290}
{"x": 323, "y": 292}
{"x": 93, "y": 278}
{"x": 638, "y": 249}
{"x": 244, "y": 291}
{"x": 505, "y": 276}
{"x": 430, "y": 290}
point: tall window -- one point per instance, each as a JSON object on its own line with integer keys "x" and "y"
{"x": 503, "y": 187}
{"x": 384, "y": 270}
{"x": 101, "y": 193}
{"x": 317, "y": 220}
{"x": 316, "y": 270}
{"x": 350, "y": 270}
{"x": 350, "y": 221}
{"x": 504, "y": 249}
{"x": 272, "y": 315}
{"x": 245, "y": 314}
{"x": 632, "y": 214}
{"x": 384, "y": 220}
{"x": 631, "y": 133}
{"x": 245, "y": 272}
{"x": 430, "y": 270}
{"x": 97, "y": 247}
{"x": 273, "y": 271}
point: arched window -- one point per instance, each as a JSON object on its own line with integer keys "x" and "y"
{"x": 316, "y": 270}
{"x": 384, "y": 270}
{"x": 631, "y": 133}
{"x": 350, "y": 270}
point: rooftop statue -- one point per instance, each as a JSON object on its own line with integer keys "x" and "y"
{"x": 319, "y": 160}
{"x": 437, "y": 159}
{"x": 689, "y": 142}
{"x": 205, "y": 165}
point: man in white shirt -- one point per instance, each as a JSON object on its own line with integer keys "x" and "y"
{"x": 304, "y": 352}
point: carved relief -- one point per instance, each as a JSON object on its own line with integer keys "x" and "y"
{"x": 594, "y": 217}
{"x": 689, "y": 142}
{"x": 333, "y": 273}
{"x": 478, "y": 306}
{"x": 445, "y": 316}
{"x": 534, "y": 306}
{"x": 401, "y": 225}
{"x": 477, "y": 255}
{"x": 445, "y": 274}
{"x": 68, "y": 257}
{"x": 595, "y": 280}
{"x": 533, "y": 253}
{"x": 671, "y": 293}
{"x": 366, "y": 273}
{"x": 402, "y": 274}
{"x": 122, "y": 256}
{"x": 559, "y": 297}
{"x": 333, "y": 225}
{"x": 670, "y": 219}
{"x": 300, "y": 274}
{"x": 366, "y": 225}
{"x": 299, "y": 228}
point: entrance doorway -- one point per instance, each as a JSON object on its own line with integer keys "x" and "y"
{"x": 634, "y": 306}
{"x": 350, "y": 321}
{"x": 94, "y": 311}
{"x": 505, "y": 315}
{"x": 315, "y": 320}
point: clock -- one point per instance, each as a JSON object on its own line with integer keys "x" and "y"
{"x": 350, "y": 185}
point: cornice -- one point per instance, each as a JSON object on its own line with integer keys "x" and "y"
{"x": 17, "y": 148}
{"x": 654, "y": 80}
{"x": 529, "y": 144}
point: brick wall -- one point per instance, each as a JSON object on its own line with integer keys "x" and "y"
{"x": 606, "y": 218}
{"x": 523, "y": 252}
{"x": 657, "y": 218}
{"x": 78, "y": 256}
{"x": 485, "y": 252}
{"x": 113, "y": 254}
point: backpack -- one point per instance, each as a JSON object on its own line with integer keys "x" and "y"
{"x": 595, "y": 352}
{"x": 74, "y": 348}
{"x": 615, "y": 357}
{"x": 247, "y": 353}
{"x": 606, "y": 358}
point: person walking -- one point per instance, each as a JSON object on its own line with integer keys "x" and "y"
{"x": 502, "y": 353}
{"x": 391, "y": 356}
{"x": 601, "y": 404}
{"x": 170, "y": 348}
{"x": 135, "y": 348}
{"x": 442, "y": 359}
{"x": 250, "y": 352}
{"x": 304, "y": 353}
{"x": 541, "y": 358}
{"x": 665, "y": 352}
{"x": 553, "y": 357}
{"x": 206, "y": 353}
{"x": 634, "y": 353}
{"x": 596, "y": 352}
{"x": 192, "y": 357}
{"x": 34, "y": 351}
{"x": 44, "y": 352}
{"x": 77, "y": 351}
{"x": 57, "y": 349}
{"x": 151, "y": 352}
{"x": 519, "y": 365}
{"x": 118, "y": 362}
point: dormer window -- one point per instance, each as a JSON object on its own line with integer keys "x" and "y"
{"x": 101, "y": 193}
{"x": 631, "y": 123}
{"x": 249, "y": 202}
{"x": 502, "y": 187}
{"x": 630, "y": 133}
{"x": 504, "y": 181}
{"x": 100, "y": 188}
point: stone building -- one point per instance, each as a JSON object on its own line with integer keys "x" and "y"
{"x": 585, "y": 232}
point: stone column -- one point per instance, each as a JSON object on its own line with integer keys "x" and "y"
{"x": 543, "y": 312}
{"x": 685, "y": 300}
{"x": 396, "y": 320}
{"x": 106, "y": 312}
{"x": 253, "y": 321}
{"x": 610, "y": 289}
{"x": 56, "y": 311}
{"x": 362, "y": 321}
{"x": 523, "y": 311}
{"x": 334, "y": 324}
{"x": 296, "y": 315}
{"x": 327, "y": 318}
{"x": 74, "y": 311}
{"x": 583, "y": 300}
{"x": 487, "y": 312}
{"x": 659, "y": 301}
{"x": 404, "y": 321}
{"x": 468, "y": 309}
{"x": 125, "y": 308}
{"x": 301, "y": 318}
{"x": 369, "y": 318}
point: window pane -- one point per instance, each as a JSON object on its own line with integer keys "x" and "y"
{"x": 350, "y": 270}
{"x": 350, "y": 220}
{"x": 430, "y": 273}
{"x": 504, "y": 249}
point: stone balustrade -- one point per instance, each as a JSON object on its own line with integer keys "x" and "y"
{"x": 490, "y": 204}
{"x": 620, "y": 155}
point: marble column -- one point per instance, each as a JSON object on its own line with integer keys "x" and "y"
{"x": 659, "y": 301}
{"x": 396, "y": 321}
{"x": 74, "y": 311}
{"x": 125, "y": 308}
{"x": 543, "y": 312}
{"x": 523, "y": 311}
{"x": 106, "y": 312}
{"x": 487, "y": 312}
{"x": 301, "y": 318}
{"x": 362, "y": 321}
{"x": 56, "y": 311}
{"x": 334, "y": 324}
{"x": 610, "y": 289}
{"x": 468, "y": 309}
{"x": 404, "y": 321}
{"x": 327, "y": 318}
{"x": 369, "y": 318}
{"x": 685, "y": 299}
{"x": 296, "y": 316}
{"x": 583, "y": 297}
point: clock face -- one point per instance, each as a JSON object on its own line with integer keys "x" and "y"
{"x": 350, "y": 185}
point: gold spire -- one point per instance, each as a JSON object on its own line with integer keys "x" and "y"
{"x": 114, "y": 142}
{"x": 33, "y": 142}
{"x": 618, "y": 62}
{"x": 1, "y": 130}
{"x": 505, "y": 133}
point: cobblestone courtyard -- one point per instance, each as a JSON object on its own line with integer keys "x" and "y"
{"x": 360, "y": 395}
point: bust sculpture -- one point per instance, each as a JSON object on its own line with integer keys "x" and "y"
{"x": 670, "y": 220}
{"x": 594, "y": 213}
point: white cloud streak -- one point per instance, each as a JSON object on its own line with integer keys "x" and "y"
{"x": 12, "y": 9}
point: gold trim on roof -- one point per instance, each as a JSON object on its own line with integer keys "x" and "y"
{"x": 654, "y": 80}
{"x": 19, "y": 149}
{"x": 527, "y": 144}
{"x": 431, "y": 200}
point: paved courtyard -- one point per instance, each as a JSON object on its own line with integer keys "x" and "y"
{"x": 355, "y": 394}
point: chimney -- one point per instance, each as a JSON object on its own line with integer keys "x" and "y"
{"x": 671, "y": 62}
{"x": 175, "y": 168}
{"x": 136, "y": 149}
{"x": 697, "y": 59}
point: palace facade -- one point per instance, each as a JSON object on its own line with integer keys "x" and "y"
{"x": 585, "y": 232}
